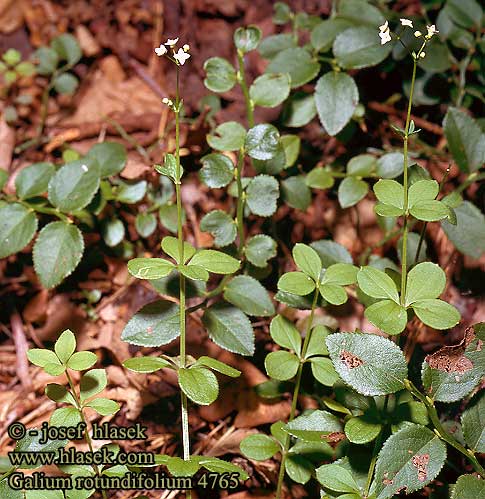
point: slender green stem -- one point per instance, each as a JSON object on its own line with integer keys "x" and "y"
{"x": 440, "y": 430}
{"x": 372, "y": 466}
{"x": 244, "y": 87}
{"x": 83, "y": 420}
{"x": 240, "y": 203}
{"x": 405, "y": 182}
{"x": 296, "y": 391}
{"x": 180, "y": 236}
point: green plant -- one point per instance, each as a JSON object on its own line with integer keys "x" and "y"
{"x": 64, "y": 360}
{"x": 163, "y": 321}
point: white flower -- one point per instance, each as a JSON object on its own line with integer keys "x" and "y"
{"x": 171, "y": 42}
{"x": 385, "y": 36}
{"x": 384, "y": 27}
{"x": 431, "y": 31}
{"x": 422, "y": 55}
{"x": 165, "y": 100}
{"x": 417, "y": 34}
{"x": 181, "y": 57}
{"x": 186, "y": 47}
{"x": 160, "y": 50}
{"x": 406, "y": 22}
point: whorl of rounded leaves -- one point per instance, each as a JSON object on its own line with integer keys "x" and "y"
{"x": 296, "y": 192}
{"x": 259, "y": 447}
{"x": 67, "y": 48}
{"x": 370, "y": 364}
{"x": 220, "y": 74}
{"x": 229, "y": 136}
{"x": 92, "y": 383}
{"x": 285, "y": 334}
{"x": 259, "y": 249}
{"x": 336, "y": 97}
{"x": 281, "y": 365}
{"x": 314, "y": 427}
{"x": 150, "y": 268}
{"x": 262, "y": 141}
{"x": 215, "y": 262}
{"x": 110, "y": 156}
{"x": 468, "y": 487}
{"x": 46, "y": 359}
{"x": 376, "y": 283}
{"x": 145, "y": 224}
{"x": 307, "y": 260}
{"x": 319, "y": 178}
{"x": 57, "y": 252}
{"x": 262, "y": 195}
{"x": 217, "y": 170}
{"x": 336, "y": 478}
{"x": 74, "y": 185}
{"x": 298, "y": 62}
{"x": 145, "y": 364}
{"x": 336, "y": 276}
{"x": 454, "y": 371}
{"x": 250, "y": 296}
{"x": 229, "y": 328}
{"x": 351, "y": 190}
{"x": 156, "y": 324}
{"x": 18, "y": 225}
{"x": 33, "y": 180}
{"x": 296, "y": 283}
{"x": 473, "y": 423}
{"x": 425, "y": 280}
{"x": 247, "y": 38}
{"x": 170, "y": 245}
{"x": 466, "y": 140}
{"x": 359, "y": 47}
{"x": 409, "y": 459}
{"x": 199, "y": 384}
{"x": 222, "y": 227}
{"x": 270, "y": 90}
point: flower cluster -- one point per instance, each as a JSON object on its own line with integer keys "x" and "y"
{"x": 385, "y": 32}
{"x": 179, "y": 56}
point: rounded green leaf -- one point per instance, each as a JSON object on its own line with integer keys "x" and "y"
{"x": 390, "y": 165}
{"x": 410, "y": 459}
{"x": 314, "y": 427}
{"x": 259, "y": 447}
{"x": 307, "y": 260}
{"x": 324, "y": 33}
{"x": 57, "y": 252}
{"x": 47, "y": 60}
{"x": 331, "y": 252}
{"x": 298, "y": 62}
{"x": 319, "y": 178}
{"x": 272, "y": 45}
{"x": 194, "y": 272}
{"x": 323, "y": 370}
{"x": 229, "y": 136}
{"x": 150, "y": 268}
{"x": 422, "y": 190}
{"x": 80, "y": 361}
{"x": 215, "y": 262}
{"x": 262, "y": 195}
{"x": 333, "y": 293}
{"x": 360, "y": 431}
{"x": 388, "y": 316}
{"x": 337, "y": 478}
{"x": 156, "y": 324}
{"x": 220, "y": 74}
{"x": 33, "y": 180}
{"x": 131, "y": 192}
{"x": 247, "y": 38}
{"x": 229, "y": 328}
{"x": 222, "y": 227}
{"x": 359, "y": 47}
{"x": 285, "y": 334}
{"x": 65, "y": 345}
{"x": 425, "y": 280}
{"x": 362, "y": 165}
{"x": 262, "y": 141}
{"x": 281, "y": 365}
{"x": 430, "y": 211}
{"x": 217, "y": 170}
{"x": 316, "y": 345}
{"x": 170, "y": 245}
{"x": 199, "y": 384}
{"x": 336, "y": 97}
{"x": 370, "y": 364}
{"x": 437, "y": 313}
{"x": 67, "y": 48}
{"x": 145, "y": 224}
{"x": 250, "y": 296}
{"x": 270, "y": 90}
{"x": 217, "y": 365}
{"x": 92, "y": 383}
{"x": 259, "y": 249}
{"x": 351, "y": 190}
{"x": 74, "y": 185}
{"x": 104, "y": 406}
{"x": 145, "y": 364}
{"x": 296, "y": 283}
{"x": 113, "y": 231}
{"x": 390, "y": 193}
{"x": 111, "y": 157}
{"x": 18, "y": 225}
{"x": 298, "y": 468}
{"x": 66, "y": 83}
{"x": 41, "y": 357}
{"x": 65, "y": 416}
{"x": 299, "y": 110}
{"x": 342, "y": 274}
{"x": 376, "y": 283}
{"x": 473, "y": 424}
{"x": 291, "y": 146}
{"x": 467, "y": 487}
{"x": 296, "y": 192}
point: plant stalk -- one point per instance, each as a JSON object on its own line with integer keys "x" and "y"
{"x": 294, "y": 401}
{"x": 240, "y": 203}
{"x": 244, "y": 87}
